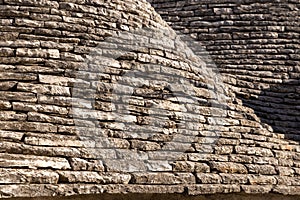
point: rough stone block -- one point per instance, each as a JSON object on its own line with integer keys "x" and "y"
{"x": 256, "y": 189}
{"x": 117, "y": 143}
{"x": 158, "y": 166}
{"x": 228, "y": 167}
{"x": 157, "y": 189}
{"x": 17, "y": 76}
{"x": 234, "y": 178}
{"x": 6, "y": 52}
{"x": 38, "y": 117}
{"x": 241, "y": 158}
{"x": 223, "y": 149}
{"x": 16, "y": 160}
{"x": 120, "y": 165}
{"x": 25, "y": 190}
{"x": 93, "y": 177}
{"x": 71, "y": 57}
{"x": 261, "y": 169}
{"x": 144, "y": 145}
{"x": 262, "y": 180}
{"x": 205, "y": 157}
{"x": 7, "y": 85}
{"x": 285, "y": 171}
{"x": 17, "y": 96}
{"x": 185, "y": 166}
{"x": 17, "y": 176}
{"x": 6, "y": 36}
{"x": 38, "y": 53}
{"x": 28, "y": 126}
{"x": 5, "y": 105}
{"x": 29, "y": 107}
{"x": 17, "y": 136}
{"x": 53, "y": 141}
{"x": 206, "y": 178}
{"x": 11, "y": 115}
{"x": 254, "y": 151}
{"x": 44, "y": 89}
{"x": 163, "y": 178}
{"x": 79, "y": 164}
{"x": 202, "y": 167}
{"x": 212, "y": 189}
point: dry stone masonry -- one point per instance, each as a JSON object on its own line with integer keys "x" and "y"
{"x": 104, "y": 97}
{"x": 255, "y": 44}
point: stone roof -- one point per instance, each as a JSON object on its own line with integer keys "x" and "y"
{"x": 104, "y": 97}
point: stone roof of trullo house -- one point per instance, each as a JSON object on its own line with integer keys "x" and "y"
{"x": 105, "y": 97}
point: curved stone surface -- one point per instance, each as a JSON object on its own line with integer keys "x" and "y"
{"x": 103, "y": 97}
{"x": 255, "y": 44}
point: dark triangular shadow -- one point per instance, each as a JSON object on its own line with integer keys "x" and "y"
{"x": 279, "y": 107}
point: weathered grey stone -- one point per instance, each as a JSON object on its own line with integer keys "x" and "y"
{"x": 159, "y": 166}
{"x": 285, "y": 171}
{"x": 212, "y": 189}
{"x": 38, "y": 117}
{"x": 241, "y": 158}
{"x": 265, "y": 160}
{"x": 53, "y": 141}
{"x": 8, "y": 36}
{"x": 63, "y": 81}
{"x": 144, "y": 145}
{"x": 25, "y": 190}
{"x": 118, "y": 143}
{"x": 253, "y": 151}
{"x": 206, "y": 178}
{"x": 186, "y": 166}
{"x": 163, "y": 178}
{"x": 16, "y": 160}
{"x": 262, "y": 180}
{"x": 149, "y": 189}
{"x": 261, "y": 169}
{"x": 93, "y": 177}
{"x": 4, "y": 105}
{"x": 286, "y": 190}
{"x": 205, "y": 157}
{"x": 253, "y": 189}
{"x": 285, "y": 180}
{"x": 17, "y": 176}
{"x": 71, "y": 57}
{"x": 38, "y": 53}
{"x": 7, "y": 85}
{"x": 79, "y": 164}
{"x": 223, "y": 149}
{"x": 44, "y": 89}
{"x": 11, "y": 115}
{"x": 228, "y": 167}
{"x": 121, "y": 165}
{"x": 6, "y": 52}
{"x": 28, "y": 126}
{"x": 45, "y": 50}
{"x": 15, "y": 77}
{"x": 202, "y": 167}
{"x": 234, "y": 178}
{"x": 20, "y": 106}
{"x": 17, "y": 96}
{"x": 11, "y": 135}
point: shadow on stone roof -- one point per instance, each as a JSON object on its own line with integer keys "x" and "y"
{"x": 278, "y": 106}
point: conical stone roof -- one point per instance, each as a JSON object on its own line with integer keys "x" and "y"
{"x": 104, "y": 97}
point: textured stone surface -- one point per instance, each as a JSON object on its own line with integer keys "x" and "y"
{"x": 257, "y": 58}
{"x": 17, "y": 176}
{"x": 72, "y": 124}
{"x": 16, "y": 160}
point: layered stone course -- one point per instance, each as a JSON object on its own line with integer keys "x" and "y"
{"x": 255, "y": 45}
{"x": 61, "y": 130}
